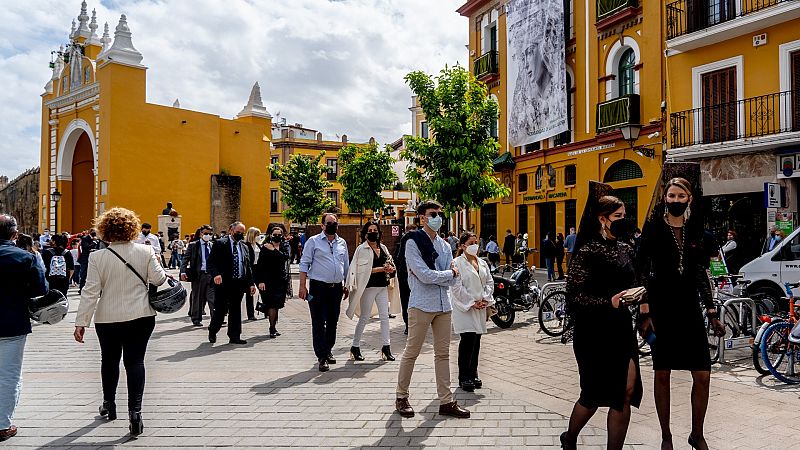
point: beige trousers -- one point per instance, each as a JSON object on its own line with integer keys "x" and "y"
{"x": 418, "y": 323}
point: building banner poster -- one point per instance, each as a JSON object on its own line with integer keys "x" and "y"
{"x": 537, "y": 94}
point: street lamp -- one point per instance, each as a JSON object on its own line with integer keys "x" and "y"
{"x": 55, "y": 197}
{"x": 630, "y": 133}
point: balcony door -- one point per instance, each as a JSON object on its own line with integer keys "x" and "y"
{"x": 795, "y": 95}
{"x": 719, "y": 105}
{"x": 702, "y": 14}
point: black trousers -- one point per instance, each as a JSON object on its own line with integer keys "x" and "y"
{"x": 126, "y": 340}
{"x": 324, "y": 304}
{"x": 405, "y": 294}
{"x": 560, "y": 266}
{"x": 468, "y": 349}
{"x": 250, "y": 305}
{"x": 228, "y": 301}
{"x": 60, "y": 284}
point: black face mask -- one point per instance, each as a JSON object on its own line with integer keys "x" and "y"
{"x": 622, "y": 229}
{"x": 276, "y": 238}
{"x": 372, "y": 237}
{"x": 330, "y": 228}
{"x": 238, "y": 236}
{"x": 676, "y": 209}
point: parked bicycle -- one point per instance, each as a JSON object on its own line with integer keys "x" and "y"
{"x": 780, "y": 352}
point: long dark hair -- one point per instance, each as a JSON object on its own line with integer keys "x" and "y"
{"x": 25, "y": 242}
{"x": 366, "y": 227}
{"x": 590, "y": 225}
{"x": 463, "y": 240}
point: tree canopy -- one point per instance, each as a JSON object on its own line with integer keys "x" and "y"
{"x": 302, "y": 185}
{"x": 366, "y": 171}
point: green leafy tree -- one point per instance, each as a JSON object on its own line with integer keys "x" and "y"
{"x": 366, "y": 171}
{"x": 302, "y": 184}
{"x": 454, "y": 165}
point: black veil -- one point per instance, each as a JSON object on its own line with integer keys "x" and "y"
{"x": 589, "y": 226}
{"x": 691, "y": 172}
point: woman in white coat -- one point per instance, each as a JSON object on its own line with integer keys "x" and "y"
{"x": 372, "y": 288}
{"x": 471, "y": 295}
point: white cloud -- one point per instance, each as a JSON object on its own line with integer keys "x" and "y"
{"x": 334, "y": 66}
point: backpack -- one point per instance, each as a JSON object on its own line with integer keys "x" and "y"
{"x": 58, "y": 266}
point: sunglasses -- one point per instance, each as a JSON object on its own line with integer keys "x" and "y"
{"x": 434, "y": 214}
{"x": 208, "y": 234}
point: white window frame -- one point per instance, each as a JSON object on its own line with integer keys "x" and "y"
{"x": 488, "y": 21}
{"x": 496, "y": 100}
{"x": 697, "y": 91}
{"x": 785, "y": 51}
{"x": 612, "y": 65}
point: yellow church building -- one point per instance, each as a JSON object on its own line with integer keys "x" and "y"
{"x": 104, "y": 145}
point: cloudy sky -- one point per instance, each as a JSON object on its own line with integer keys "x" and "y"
{"x": 336, "y": 66}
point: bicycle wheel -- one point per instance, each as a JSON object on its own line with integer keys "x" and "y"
{"x": 552, "y": 314}
{"x": 780, "y": 356}
{"x": 714, "y": 342}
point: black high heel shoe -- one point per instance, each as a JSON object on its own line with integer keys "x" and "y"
{"x": 566, "y": 443}
{"x": 136, "y": 427}
{"x": 386, "y": 353}
{"x": 108, "y": 410}
{"x": 694, "y": 443}
{"x": 355, "y": 353}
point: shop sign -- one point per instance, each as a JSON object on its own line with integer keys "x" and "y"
{"x": 772, "y": 195}
{"x": 717, "y": 267}
{"x": 591, "y": 149}
{"x": 784, "y": 221}
{"x": 789, "y": 165}
{"x": 548, "y": 196}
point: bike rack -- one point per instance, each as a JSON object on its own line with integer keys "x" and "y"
{"x": 734, "y": 343}
{"x": 552, "y": 286}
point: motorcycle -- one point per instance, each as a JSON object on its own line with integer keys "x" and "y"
{"x": 518, "y": 292}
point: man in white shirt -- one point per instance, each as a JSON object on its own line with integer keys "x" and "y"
{"x": 45, "y": 238}
{"x": 148, "y": 238}
{"x": 194, "y": 269}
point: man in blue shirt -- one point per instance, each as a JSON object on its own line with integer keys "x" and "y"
{"x": 431, "y": 272}
{"x": 569, "y": 245}
{"x": 22, "y": 278}
{"x": 325, "y": 261}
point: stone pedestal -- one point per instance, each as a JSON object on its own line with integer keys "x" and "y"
{"x": 171, "y": 226}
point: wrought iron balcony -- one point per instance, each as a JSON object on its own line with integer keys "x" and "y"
{"x": 487, "y": 64}
{"x": 688, "y": 16}
{"x": 615, "y": 113}
{"x": 607, "y": 8}
{"x": 748, "y": 118}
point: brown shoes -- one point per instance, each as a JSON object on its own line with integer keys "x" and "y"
{"x": 12, "y": 431}
{"x": 453, "y": 410}
{"x": 403, "y": 408}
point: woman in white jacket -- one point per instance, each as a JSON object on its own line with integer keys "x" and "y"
{"x": 471, "y": 295}
{"x": 369, "y": 284}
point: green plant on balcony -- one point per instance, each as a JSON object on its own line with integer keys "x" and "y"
{"x": 607, "y": 8}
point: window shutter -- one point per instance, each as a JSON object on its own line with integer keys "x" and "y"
{"x": 719, "y": 105}
{"x": 795, "y": 94}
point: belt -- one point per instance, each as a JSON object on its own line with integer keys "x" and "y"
{"x": 324, "y": 284}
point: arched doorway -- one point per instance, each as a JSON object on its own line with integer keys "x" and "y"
{"x": 82, "y": 184}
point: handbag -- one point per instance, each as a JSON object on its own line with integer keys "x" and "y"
{"x": 168, "y": 300}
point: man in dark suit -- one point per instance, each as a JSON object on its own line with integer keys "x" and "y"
{"x": 194, "y": 268}
{"x": 231, "y": 266}
{"x": 508, "y": 246}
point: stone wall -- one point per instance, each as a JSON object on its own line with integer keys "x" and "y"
{"x": 20, "y": 198}
{"x": 226, "y": 196}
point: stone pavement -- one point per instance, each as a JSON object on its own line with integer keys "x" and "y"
{"x": 269, "y": 393}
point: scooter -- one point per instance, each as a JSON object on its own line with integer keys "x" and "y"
{"x": 519, "y": 292}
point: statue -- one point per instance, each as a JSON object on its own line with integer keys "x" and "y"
{"x": 169, "y": 211}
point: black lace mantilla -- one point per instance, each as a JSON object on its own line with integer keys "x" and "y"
{"x": 598, "y": 271}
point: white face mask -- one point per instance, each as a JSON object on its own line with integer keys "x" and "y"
{"x": 472, "y": 250}
{"x": 206, "y": 237}
{"x": 434, "y": 223}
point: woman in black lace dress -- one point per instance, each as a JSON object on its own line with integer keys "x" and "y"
{"x": 272, "y": 276}
{"x": 604, "y": 340}
{"x": 670, "y": 263}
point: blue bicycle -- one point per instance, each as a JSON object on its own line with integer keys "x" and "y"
{"x": 780, "y": 351}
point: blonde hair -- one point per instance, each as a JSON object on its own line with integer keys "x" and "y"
{"x": 679, "y": 182}
{"x": 118, "y": 225}
{"x": 252, "y": 234}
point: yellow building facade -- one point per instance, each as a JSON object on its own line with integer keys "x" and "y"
{"x": 733, "y": 77}
{"x": 288, "y": 140}
{"x": 614, "y": 79}
{"x": 103, "y": 145}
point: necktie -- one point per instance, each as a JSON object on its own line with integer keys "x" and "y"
{"x": 236, "y": 260}
{"x": 206, "y": 251}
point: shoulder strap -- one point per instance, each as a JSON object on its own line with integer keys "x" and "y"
{"x": 127, "y": 264}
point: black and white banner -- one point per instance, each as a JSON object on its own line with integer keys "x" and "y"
{"x": 537, "y": 93}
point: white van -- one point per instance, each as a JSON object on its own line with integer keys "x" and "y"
{"x": 768, "y": 273}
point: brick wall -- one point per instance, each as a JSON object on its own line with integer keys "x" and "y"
{"x": 20, "y": 198}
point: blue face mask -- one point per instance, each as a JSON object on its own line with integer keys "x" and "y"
{"x": 434, "y": 223}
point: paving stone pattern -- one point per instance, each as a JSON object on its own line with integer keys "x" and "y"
{"x": 269, "y": 393}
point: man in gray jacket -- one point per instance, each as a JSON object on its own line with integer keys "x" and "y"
{"x": 430, "y": 274}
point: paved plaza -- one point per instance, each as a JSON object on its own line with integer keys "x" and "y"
{"x": 269, "y": 393}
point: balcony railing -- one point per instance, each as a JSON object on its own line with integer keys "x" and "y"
{"x": 688, "y": 16}
{"x": 748, "y": 118}
{"x": 487, "y": 64}
{"x": 618, "y": 112}
{"x": 607, "y": 8}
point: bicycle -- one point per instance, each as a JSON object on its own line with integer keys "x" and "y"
{"x": 780, "y": 354}
{"x": 736, "y": 313}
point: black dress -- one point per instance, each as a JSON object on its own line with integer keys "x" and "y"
{"x": 271, "y": 270}
{"x": 674, "y": 297}
{"x": 604, "y": 339}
